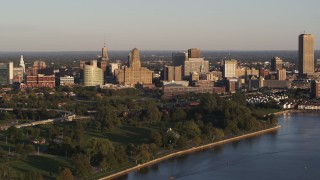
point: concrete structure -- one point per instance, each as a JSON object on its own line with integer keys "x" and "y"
{"x": 4, "y": 73}
{"x": 175, "y": 90}
{"x": 178, "y": 59}
{"x": 198, "y": 65}
{"x": 10, "y": 73}
{"x": 194, "y": 53}
{"x": 21, "y": 64}
{"x": 113, "y": 67}
{"x": 315, "y": 88}
{"x": 277, "y": 84}
{"x": 276, "y": 64}
{"x": 306, "y": 54}
{"x": 92, "y": 74}
{"x": 172, "y": 73}
{"x": 18, "y": 74}
{"x": 281, "y": 74}
{"x": 66, "y": 81}
{"x": 194, "y": 76}
{"x": 134, "y": 74}
{"x": 229, "y": 68}
{"x": 211, "y": 76}
{"x": 190, "y": 62}
{"x": 104, "y": 54}
{"x": 37, "y": 65}
{"x": 39, "y": 80}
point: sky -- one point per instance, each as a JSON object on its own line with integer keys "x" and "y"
{"x": 83, "y": 25}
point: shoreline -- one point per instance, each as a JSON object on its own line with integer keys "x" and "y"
{"x": 191, "y": 150}
{"x": 293, "y": 111}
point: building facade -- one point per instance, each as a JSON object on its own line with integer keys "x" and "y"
{"x": 306, "y": 54}
{"x": 229, "y": 68}
{"x": 281, "y": 74}
{"x": 134, "y": 74}
{"x": 92, "y": 74}
{"x": 315, "y": 88}
{"x": 276, "y": 64}
{"x": 194, "y": 53}
{"x": 172, "y": 73}
{"x": 198, "y": 65}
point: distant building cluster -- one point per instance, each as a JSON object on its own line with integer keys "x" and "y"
{"x": 187, "y": 72}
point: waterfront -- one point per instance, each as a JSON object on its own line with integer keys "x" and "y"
{"x": 290, "y": 153}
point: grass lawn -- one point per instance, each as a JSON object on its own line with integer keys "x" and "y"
{"x": 47, "y": 165}
{"x": 50, "y": 166}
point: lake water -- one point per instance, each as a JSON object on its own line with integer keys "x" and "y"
{"x": 292, "y": 152}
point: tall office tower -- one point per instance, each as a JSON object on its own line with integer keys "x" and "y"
{"x": 281, "y": 74}
{"x": 93, "y": 75}
{"x": 4, "y": 76}
{"x": 104, "y": 55}
{"x": 22, "y": 64}
{"x": 178, "y": 58}
{"x": 276, "y": 64}
{"x": 172, "y": 73}
{"x": 198, "y": 65}
{"x": 134, "y": 74}
{"x": 229, "y": 68}
{"x": 10, "y": 73}
{"x": 194, "y": 53}
{"x": 306, "y": 54}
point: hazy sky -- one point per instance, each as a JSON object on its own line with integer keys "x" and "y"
{"x": 40, "y": 25}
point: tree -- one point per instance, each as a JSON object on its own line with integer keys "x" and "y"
{"x": 66, "y": 174}
{"x": 82, "y": 165}
{"x": 29, "y": 148}
{"x": 19, "y": 148}
{"x": 99, "y": 148}
{"x": 155, "y": 137}
{"x": 32, "y": 175}
{"x": 191, "y": 129}
{"x": 6, "y": 172}
{"x": 182, "y": 142}
{"x": 178, "y": 114}
{"x": 209, "y": 102}
{"x": 151, "y": 114}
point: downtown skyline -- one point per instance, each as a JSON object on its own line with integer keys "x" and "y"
{"x": 165, "y": 25}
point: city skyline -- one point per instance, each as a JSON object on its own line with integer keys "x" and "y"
{"x": 165, "y": 25}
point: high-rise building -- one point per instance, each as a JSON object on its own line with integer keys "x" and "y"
{"x": 92, "y": 74}
{"x": 113, "y": 67}
{"x": 306, "y": 54}
{"x": 104, "y": 55}
{"x": 178, "y": 58}
{"x": 134, "y": 74}
{"x": 315, "y": 88}
{"x": 229, "y": 68}
{"x": 10, "y": 73}
{"x": 190, "y": 62}
{"x": 22, "y": 64}
{"x": 281, "y": 74}
{"x": 3, "y": 73}
{"x": 194, "y": 53}
{"x": 198, "y": 65}
{"x": 18, "y": 74}
{"x": 172, "y": 73}
{"x": 276, "y": 64}
{"x": 37, "y": 65}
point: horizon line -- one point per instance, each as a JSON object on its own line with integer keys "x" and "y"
{"x": 142, "y": 50}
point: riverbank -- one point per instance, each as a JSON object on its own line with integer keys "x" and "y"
{"x": 187, "y": 151}
{"x": 291, "y": 111}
